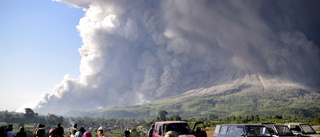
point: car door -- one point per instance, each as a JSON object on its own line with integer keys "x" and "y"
{"x": 239, "y": 131}
{"x": 157, "y": 132}
{"x": 199, "y": 130}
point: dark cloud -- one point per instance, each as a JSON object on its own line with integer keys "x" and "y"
{"x": 137, "y": 52}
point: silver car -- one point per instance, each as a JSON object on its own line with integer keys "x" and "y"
{"x": 279, "y": 130}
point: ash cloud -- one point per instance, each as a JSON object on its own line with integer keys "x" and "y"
{"x": 135, "y": 52}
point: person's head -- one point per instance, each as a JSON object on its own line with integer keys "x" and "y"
{"x": 127, "y": 133}
{"x": 87, "y": 134}
{"x": 75, "y": 126}
{"x": 59, "y": 124}
{"x": 82, "y": 130}
{"x": 74, "y": 132}
{"x": 3, "y": 129}
{"x": 40, "y": 126}
{"x": 21, "y": 129}
{"x": 52, "y": 132}
{"x": 152, "y": 126}
{"x": 100, "y": 131}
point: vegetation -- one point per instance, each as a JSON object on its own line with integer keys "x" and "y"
{"x": 139, "y": 128}
{"x": 289, "y": 103}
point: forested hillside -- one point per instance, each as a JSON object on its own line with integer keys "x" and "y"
{"x": 290, "y": 103}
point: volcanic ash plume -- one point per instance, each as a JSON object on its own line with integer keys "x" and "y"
{"x": 138, "y": 51}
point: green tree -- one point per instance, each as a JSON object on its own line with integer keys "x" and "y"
{"x": 227, "y": 118}
{"x": 163, "y": 115}
{"x": 175, "y": 118}
{"x": 212, "y": 117}
{"x": 251, "y": 118}
{"x": 233, "y": 118}
{"x": 29, "y": 115}
{"x": 256, "y": 118}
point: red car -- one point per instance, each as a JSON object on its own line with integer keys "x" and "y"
{"x": 181, "y": 127}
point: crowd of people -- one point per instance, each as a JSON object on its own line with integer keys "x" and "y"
{"x": 54, "y": 132}
{"x": 8, "y": 132}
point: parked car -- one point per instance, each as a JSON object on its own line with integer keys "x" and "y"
{"x": 279, "y": 130}
{"x": 181, "y": 127}
{"x": 302, "y": 129}
{"x": 241, "y": 130}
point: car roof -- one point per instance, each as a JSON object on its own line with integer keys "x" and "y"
{"x": 297, "y": 123}
{"x": 170, "y": 122}
{"x": 269, "y": 125}
{"x": 241, "y": 125}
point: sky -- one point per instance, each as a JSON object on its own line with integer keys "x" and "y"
{"x": 86, "y": 54}
{"x": 39, "y": 45}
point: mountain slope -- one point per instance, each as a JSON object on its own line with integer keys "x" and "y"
{"x": 250, "y": 95}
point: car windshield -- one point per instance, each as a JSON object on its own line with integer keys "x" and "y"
{"x": 257, "y": 131}
{"x": 181, "y": 128}
{"x": 307, "y": 129}
{"x": 283, "y": 130}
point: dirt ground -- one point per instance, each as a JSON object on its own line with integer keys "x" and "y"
{"x": 210, "y": 131}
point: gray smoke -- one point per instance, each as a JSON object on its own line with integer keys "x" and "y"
{"x": 138, "y": 51}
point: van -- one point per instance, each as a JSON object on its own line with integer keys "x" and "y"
{"x": 241, "y": 130}
{"x": 181, "y": 127}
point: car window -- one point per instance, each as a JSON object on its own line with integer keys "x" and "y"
{"x": 283, "y": 130}
{"x": 156, "y": 129}
{"x": 239, "y": 131}
{"x": 181, "y": 128}
{"x": 223, "y": 130}
{"x": 160, "y": 130}
{"x": 217, "y": 129}
{"x": 257, "y": 131}
{"x": 307, "y": 129}
{"x": 231, "y": 130}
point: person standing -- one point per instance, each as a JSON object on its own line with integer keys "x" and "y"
{"x": 39, "y": 131}
{"x": 21, "y": 133}
{"x": 87, "y": 134}
{"x": 2, "y": 131}
{"x": 100, "y": 132}
{"x": 59, "y": 130}
{"x": 9, "y": 132}
{"x": 151, "y": 130}
{"x": 80, "y": 132}
{"x": 127, "y": 133}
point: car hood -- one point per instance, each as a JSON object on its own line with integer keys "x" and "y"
{"x": 187, "y": 136}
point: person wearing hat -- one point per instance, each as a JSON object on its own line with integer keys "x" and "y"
{"x": 53, "y": 132}
{"x": 87, "y": 134}
{"x": 100, "y": 132}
